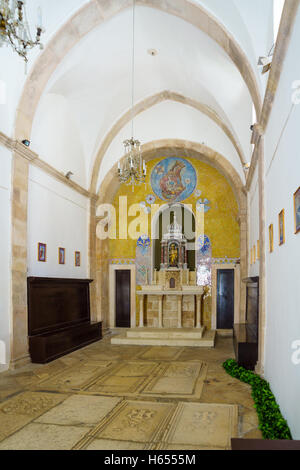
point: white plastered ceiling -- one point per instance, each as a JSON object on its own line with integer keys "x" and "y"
{"x": 91, "y": 88}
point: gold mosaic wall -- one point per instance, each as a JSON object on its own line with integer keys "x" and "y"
{"x": 221, "y": 221}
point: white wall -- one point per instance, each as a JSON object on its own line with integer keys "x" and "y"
{"x": 283, "y": 275}
{"x": 59, "y": 217}
{"x": 5, "y": 252}
{"x": 56, "y": 137}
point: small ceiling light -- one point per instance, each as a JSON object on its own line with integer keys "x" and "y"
{"x": 246, "y": 166}
{"x": 152, "y": 52}
{"x": 266, "y": 61}
{"x": 68, "y": 175}
{"x": 26, "y": 142}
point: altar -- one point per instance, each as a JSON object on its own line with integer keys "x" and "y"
{"x": 170, "y": 309}
{"x": 173, "y": 300}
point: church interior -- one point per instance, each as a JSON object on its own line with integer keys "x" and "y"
{"x": 150, "y": 225}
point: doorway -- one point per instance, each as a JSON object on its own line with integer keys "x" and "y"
{"x": 225, "y": 299}
{"x": 123, "y": 293}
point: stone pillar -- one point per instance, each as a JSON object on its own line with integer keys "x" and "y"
{"x": 19, "y": 322}
{"x": 141, "y": 325}
{"x": 179, "y": 304}
{"x": 92, "y": 258}
{"x": 160, "y": 311}
{"x": 262, "y": 261}
{"x": 198, "y": 311}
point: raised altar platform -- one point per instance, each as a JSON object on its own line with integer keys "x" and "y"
{"x": 188, "y": 337}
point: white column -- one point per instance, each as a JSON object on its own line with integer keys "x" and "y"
{"x": 179, "y": 303}
{"x": 160, "y": 312}
{"x": 198, "y": 301}
{"x": 141, "y": 311}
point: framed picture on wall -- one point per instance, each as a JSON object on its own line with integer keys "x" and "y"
{"x": 42, "y": 252}
{"x": 297, "y": 210}
{"x": 254, "y": 254}
{"x": 61, "y": 256}
{"x": 77, "y": 259}
{"x": 258, "y": 249}
{"x": 271, "y": 238}
{"x": 281, "y": 224}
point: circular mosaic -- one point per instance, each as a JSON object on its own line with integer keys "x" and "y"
{"x": 173, "y": 179}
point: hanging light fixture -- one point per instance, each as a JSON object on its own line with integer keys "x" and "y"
{"x": 14, "y": 27}
{"x": 132, "y": 170}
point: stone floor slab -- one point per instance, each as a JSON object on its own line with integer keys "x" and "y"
{"x": 37, "y": 436}
{"x": 102, "y": 444}
{"x": 79, "y": 410}
{"x": 136, "y": 421}
{"x": 203, "y": 425}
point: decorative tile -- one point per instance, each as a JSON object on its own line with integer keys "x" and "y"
{"x": 137, "y": 422}
{"x": 203, "y": 425}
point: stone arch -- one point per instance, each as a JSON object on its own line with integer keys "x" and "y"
{"x": 182, "y": 148}
{"x": 96, "y": 12}
{"x": 147, "y": 103}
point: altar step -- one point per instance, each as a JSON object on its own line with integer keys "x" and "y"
{"x": 167, "y": 337}
{"x": 166, "y": 333}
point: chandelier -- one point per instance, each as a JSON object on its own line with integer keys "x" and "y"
{"x": 14, "y": 27}
{"x": 132, "y": 170}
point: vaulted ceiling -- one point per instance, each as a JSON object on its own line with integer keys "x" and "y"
{"x": 191, "y": 90}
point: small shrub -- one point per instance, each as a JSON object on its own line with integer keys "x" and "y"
{"x": 271, "y": 422}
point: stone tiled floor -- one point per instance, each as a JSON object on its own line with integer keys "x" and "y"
{"x": 127, "y": 397}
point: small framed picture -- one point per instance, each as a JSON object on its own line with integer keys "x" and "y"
{"x": 258, "y": 249}
{"x": 61, "y": 256}
{"x": 297, "y": 210}
{"x": 77, "y": 259}
{"x": 42, "y": 252}
{"x": 254, "y": 254}
{"x": 281, "y": 225}
{"x": 271, "y": 238}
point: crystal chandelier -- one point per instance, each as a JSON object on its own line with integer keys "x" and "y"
{"x": 14, "y": 27}
{"x": 132, "y": 170}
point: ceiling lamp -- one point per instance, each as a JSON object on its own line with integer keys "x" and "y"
{"x": 132, "y": 170}
{"x": 266, "y": 61}
{"x": 14, "y": 27}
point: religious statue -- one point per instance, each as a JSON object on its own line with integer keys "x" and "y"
{"x": 173, "y": 255}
